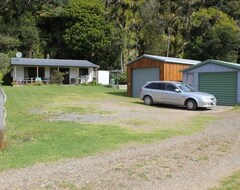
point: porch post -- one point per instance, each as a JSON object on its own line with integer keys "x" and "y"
{"x": 37, "y": 71}
{"x": 96, "y": 74}
{"x": 77, "y": 78}
{"x": 15, "y": 72}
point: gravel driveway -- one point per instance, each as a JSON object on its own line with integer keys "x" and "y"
{"x": 198, "y": 161}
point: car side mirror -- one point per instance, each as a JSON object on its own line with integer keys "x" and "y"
{"x": 177, "y": 90}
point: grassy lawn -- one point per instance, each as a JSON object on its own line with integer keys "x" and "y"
{"x": 32, "y": 137}
{"x": 237, "y": 107}
{"x": 230, "y": 183}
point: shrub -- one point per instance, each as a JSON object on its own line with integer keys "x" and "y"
{"x": 37, "y": 83}
{"x": 14, "y": 83}
{"x": 93, "y": 83}
{"x": 122, "y": 78}
{"x": 57, "y": 77}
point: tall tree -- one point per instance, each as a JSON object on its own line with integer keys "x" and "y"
{"x": 19, "y": 29}
{"x": 4, "y": 65}
{"x": 29, "y": 35}
{"x": 52, "y": 25}
{"x": 88, "y": 35}
{"x": 125, "y": 14}
{"x": 176, "y": 18}
{"x": 214, "y": 35}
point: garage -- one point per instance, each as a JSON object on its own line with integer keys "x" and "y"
{"x": 141, "y": 76}
{"x": 219, "y": 85}
{"x": 151, "y": 67}
{"x": 219, "y": 78}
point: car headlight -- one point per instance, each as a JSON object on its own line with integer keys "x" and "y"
{"x": 206, "y": 98}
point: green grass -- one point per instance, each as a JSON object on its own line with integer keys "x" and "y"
{"x": 32, "y": 138}
{"x": 231, "y": 183}
{"x": 237, "y": 108}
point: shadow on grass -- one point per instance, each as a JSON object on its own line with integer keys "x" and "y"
{"x": 166, "y": 106}
{"x": 120, "y": 93}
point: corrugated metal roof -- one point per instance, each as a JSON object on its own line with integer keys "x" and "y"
{"x": 53, "y": 62}
{"x": 223, "y": 63}
{"x": 168, "y": 59}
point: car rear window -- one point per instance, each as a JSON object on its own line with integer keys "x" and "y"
{"x": 151, "y": 86}
{"x": 160, "y": 86}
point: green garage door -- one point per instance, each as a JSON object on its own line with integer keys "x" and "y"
{"x": 221, "y": 84}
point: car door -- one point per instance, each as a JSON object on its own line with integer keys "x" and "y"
{"x": 150, "y": 89}
{"x": 160, "y": 88}
{"x": 171, "y": 96}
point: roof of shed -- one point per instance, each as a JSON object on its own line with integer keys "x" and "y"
{"x": 223, "y": 63}
{"x": 167, "y": 59}
{"x": 53, "y": 62}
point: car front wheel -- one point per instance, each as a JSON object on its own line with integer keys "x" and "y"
{"x": 191, "y": 104}
{"x": 148, "y": 100}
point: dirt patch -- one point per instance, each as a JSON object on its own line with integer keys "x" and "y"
{"x": 136, "y": 116}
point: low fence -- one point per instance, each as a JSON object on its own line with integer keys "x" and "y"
{"x": 2, "y": 119}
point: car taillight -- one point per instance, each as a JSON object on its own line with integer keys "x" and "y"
{"x": 140, "y": 91}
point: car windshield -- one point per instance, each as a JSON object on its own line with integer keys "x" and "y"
{"x": 184, "y": 87}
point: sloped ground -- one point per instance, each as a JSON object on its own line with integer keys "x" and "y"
{"x": 186, "y": 162}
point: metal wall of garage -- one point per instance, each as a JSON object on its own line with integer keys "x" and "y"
{"x": 140, "y": 76}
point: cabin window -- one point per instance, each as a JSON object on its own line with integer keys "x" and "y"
{"x": 83, "y": 71}
{"x": 31, "y": 72}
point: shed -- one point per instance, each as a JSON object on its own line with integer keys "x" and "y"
{"x": 219, "y": 78}
{"x": 151, "y": 67}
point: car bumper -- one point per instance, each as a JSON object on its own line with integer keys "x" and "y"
{"x": 208, "y": 104}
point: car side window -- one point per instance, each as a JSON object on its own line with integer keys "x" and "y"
{"x": 151, "y": 86}
{"x": 170, "y": 87}
{"x": 160, "y": 86}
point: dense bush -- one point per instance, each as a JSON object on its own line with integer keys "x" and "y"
{"x": 57, "y": 77}
{"x": 37, "y": 83}
{"x": 122, "y": 78}
{"x": 93, "y": 83}
{"x": 4, "y": 65}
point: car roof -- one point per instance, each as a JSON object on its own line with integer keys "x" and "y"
{"x": 173, "y": 82}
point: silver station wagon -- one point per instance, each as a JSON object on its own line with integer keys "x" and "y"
{"x": 175, "y": 93}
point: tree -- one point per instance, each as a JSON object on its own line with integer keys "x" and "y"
{"x": 127, "y": 19}
{"x": 29, "y": 36}
{"x": 4, "y": 65}
{"x": 88, "y": 35}
{"x": 214, "y": 35}
{"x": 51, "y": 26}
{"x": 174, "y": 18}
{"x": 19, "y": 31}
{"x": 8, "y": 43}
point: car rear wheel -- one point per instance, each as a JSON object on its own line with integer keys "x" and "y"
{"x": 148, "y": 100}
{"x": 191, "y": 104}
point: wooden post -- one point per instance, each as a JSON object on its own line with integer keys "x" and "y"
{"x": 37, "y": 72}
{"x": 77, "y": 77}
{"x": 2, "y": 122}
{"x": 15, "y": 73}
